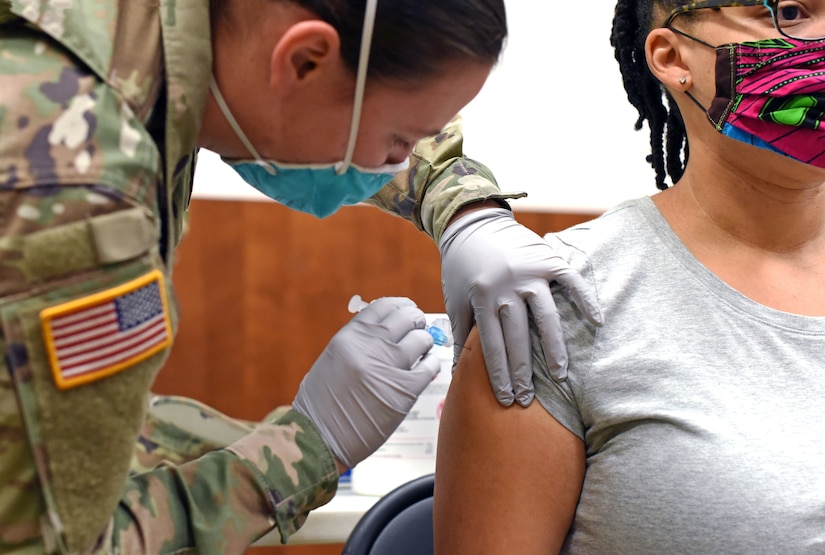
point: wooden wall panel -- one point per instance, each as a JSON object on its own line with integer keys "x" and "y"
{"x": 262, "y": 289}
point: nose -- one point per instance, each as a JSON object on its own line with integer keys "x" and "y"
{"x": 399, "y": 153}
{"x": 395, "y": 159}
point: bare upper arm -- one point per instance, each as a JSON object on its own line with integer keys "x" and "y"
{"x": 507, "y": 479}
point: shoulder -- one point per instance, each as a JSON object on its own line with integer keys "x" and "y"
{"x": 62, "y": 124}
{"x": 618, "y": 243}
{"x": 606, "y": 252}
{"x": 628, "y": 220}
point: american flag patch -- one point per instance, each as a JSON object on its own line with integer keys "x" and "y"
{"x": 96, "y": 336}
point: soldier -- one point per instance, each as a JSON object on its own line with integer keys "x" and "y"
{"x": 103, "y": 105}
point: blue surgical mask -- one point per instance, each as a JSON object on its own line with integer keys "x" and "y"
{"x": 318, "y": 189}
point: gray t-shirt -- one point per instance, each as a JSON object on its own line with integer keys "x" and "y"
{"x": 703, "y": 412}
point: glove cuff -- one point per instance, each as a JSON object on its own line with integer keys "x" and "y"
{"x": 469, "y": 220}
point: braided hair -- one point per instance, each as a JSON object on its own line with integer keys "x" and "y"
{"x": 632, "y": 21}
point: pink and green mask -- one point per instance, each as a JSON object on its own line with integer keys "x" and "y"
{"x": 771, "y": 94}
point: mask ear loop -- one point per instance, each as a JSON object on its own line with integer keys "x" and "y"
{"x": 216, "y": 92}
{"x": 687, "y": 92}
{"x": 360, "y": 82}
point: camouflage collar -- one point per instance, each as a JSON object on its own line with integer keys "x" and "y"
{"x": 187, "y": 48}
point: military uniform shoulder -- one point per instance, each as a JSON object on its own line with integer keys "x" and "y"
{"x": 117, "y": 40}
{"x": 87, "y": 33}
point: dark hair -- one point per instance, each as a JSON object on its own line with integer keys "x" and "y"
{"x": 413, "y": 39}
{"x": 632, "y": 22}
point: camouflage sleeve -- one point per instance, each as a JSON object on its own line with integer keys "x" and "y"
{"x": 439, "y": 182}
{"x": 226, "y": 499}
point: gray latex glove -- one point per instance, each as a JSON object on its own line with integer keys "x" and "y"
{"x": 368, "y": 378}
{"x": 492, "y": 269}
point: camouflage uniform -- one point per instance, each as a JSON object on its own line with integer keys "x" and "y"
{"x": 100, "y": 105}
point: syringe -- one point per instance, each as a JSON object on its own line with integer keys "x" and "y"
{"x": 439, "y": 329}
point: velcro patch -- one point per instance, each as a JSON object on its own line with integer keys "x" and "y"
{"x": 96, "y": 336}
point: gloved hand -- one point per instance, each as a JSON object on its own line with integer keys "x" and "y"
{"x": 492, "y": 269}
{"x": 368, "y": 378}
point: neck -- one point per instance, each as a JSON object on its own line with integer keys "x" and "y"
{"x": 764, "y": 238}
{"x": 751, "y": 204}
{"x": 241, "y": 68}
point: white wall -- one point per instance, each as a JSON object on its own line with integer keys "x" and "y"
{"x": 553, "y": 119}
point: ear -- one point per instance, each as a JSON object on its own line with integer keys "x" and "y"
{"x": 665, "y": 55}
{"x": 306, "y": 51}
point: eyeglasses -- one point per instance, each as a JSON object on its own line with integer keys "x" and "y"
{"x": 796, "y": 19}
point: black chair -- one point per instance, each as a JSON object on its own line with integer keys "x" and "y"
{"x": 400, "y": 523}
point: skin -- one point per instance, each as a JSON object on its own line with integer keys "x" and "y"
{"x": 482, "y": 489}
{"x": 509, "y": 479}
